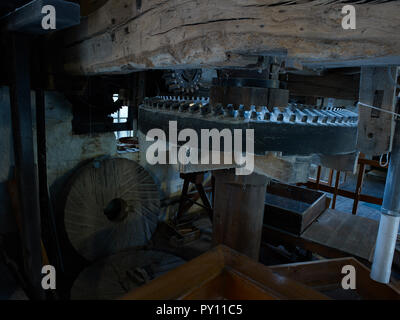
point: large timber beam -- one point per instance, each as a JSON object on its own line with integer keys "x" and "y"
{"x": 123, "y": 36}
{"x": 331, "y": 85}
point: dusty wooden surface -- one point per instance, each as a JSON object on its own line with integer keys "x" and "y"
{"x": 348, "y": 233}
{"x": 122, "y": 36}
{"x": 287, "y": 169}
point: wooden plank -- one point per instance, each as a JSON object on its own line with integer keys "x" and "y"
{"x": 348, "y": 233}
{"x": 330, "y": 85}
{"x": 342, "y": 162}
{"x": 278, "y": 237}
{"x": 372, "y": 163}
{"x": 287, "y": 169}
{"x": 336, "y": 189}
{"x": 241, "y": 288}
{"x": 232, "y": 286}
{"x": 202, "y": 276}
{"x": 281, "y": 287}
{"x": 211, "y": 290}
{"x": 325, "y": 274}
{"x": 121, "y": 37}
{"x": 345, "y": 193}
{"x": 314, "y": 273}
{"x": 375, "y": 128}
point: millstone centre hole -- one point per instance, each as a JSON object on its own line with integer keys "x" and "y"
{"x": 116, "y": 210}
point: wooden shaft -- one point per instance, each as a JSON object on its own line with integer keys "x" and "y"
{"x": 239, "y": 211}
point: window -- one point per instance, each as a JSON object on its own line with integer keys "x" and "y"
{"x": 121, "y": 116}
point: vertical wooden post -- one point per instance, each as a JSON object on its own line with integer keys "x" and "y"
{"x": 48, "y": 223}
{"x": 330, "y": 177}
{"x": 25, "y": 165}
{"x": 337, "y": 180}
{"x": 375, "y": 128}
{"x": 318, "y": 178}
{"x": 239, "y": 211}
{"x": 183, "y": 198}
{"x": 357, "y": 192}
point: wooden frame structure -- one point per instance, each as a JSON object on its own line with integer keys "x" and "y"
{"x": 335, "y": 190}
{"x": 223, "y": 273}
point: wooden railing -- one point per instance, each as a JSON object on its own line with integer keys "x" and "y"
{"x": 356, "y": 195}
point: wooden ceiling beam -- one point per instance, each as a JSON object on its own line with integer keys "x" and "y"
{"x": 124, "y": 36}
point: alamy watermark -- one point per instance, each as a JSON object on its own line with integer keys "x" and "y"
{"x": 197, "y": 150}
{"x": 349, "y": 20}
{"x": 49, "y": 20}
{"x": 349, "y": 280}
{"x": 49, "y": 278}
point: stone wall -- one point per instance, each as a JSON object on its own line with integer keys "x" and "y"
{"x": 65, "y": 152}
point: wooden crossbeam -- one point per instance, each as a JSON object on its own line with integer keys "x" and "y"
{"x": 121, "y": 36}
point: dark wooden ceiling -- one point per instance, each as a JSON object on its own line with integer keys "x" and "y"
{"x": 7, "y": 6}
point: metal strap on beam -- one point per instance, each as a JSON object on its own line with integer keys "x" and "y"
{"x": 28, "y": 18}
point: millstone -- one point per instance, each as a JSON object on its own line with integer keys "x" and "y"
{"x": 114, "y": 276}
{"x": 110, "y": 205}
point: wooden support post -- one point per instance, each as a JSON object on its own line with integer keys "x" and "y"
{"x": 375, "y": 128}
{"x": 185, "y": 203}
{"x": 239, "y": 211}
{"x": 48, "y": 223}
{"x": 204, "y": 199}
{"x": 337, "y": 180}
{"x": 25, "y": 165}
{"x": 358, "y": 187}
{"x": 182, "y": 201}
{"x": 318, "y": 177}
{"x": 330, "y": 178}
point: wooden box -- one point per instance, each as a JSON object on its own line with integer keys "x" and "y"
{"x": 326, "y": 277}
{"x": 292, "y": 208}
{"x": 223, "y": 274}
